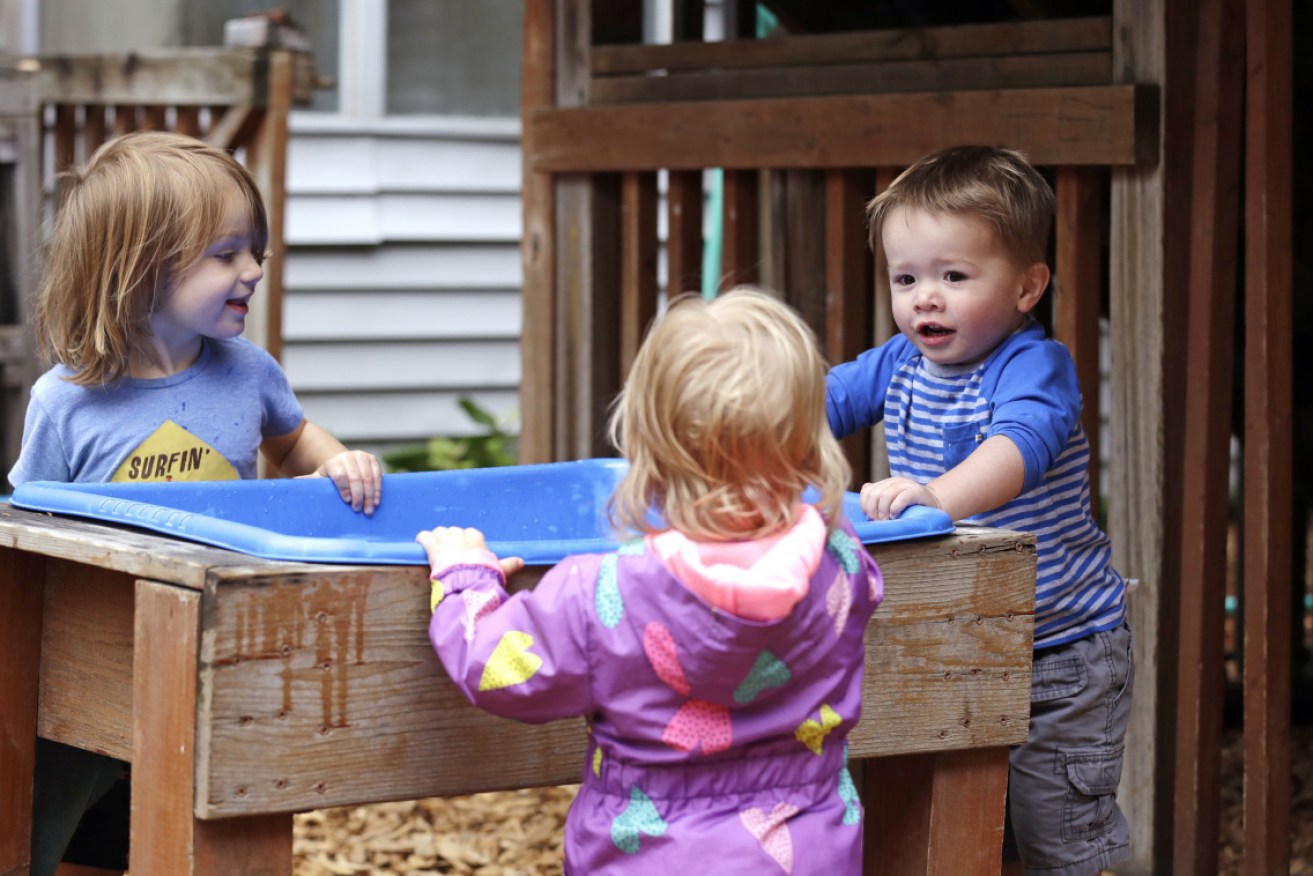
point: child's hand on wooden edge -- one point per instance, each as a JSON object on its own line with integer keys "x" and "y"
{"x": 358, "y": 477}
{"x": 444, "y": 542}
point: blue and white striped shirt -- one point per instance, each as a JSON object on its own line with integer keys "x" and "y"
{"x": 935, "y": 416}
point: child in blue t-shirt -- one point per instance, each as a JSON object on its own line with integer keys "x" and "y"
{"x": 982, "y": 419}
{"x": 154, "y": 255}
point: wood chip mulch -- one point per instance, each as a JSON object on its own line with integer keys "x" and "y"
{"x": 520, "y": 833}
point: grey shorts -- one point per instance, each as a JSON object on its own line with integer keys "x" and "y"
{"x": 1063, "y": 818}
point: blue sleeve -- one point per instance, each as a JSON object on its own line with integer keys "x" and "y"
{"x": 524, "y": 657}
{"x": 855, "y": 391}
{"x": 281, "y": 411}
{"x": 1036, "y": 403}
{"x": 42, "y": 457}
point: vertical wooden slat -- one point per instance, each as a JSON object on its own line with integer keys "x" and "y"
{"x": 848, "y": 289}
{"x": 65, "y": 143}
{"x": 1206, "y": 449}
{"x": 154, "y": 117}
{"x": 638, "y": 268}
{"x": 188, "y": 120}
{"x": 537, "y": 245}
{"x": 21, "y": 600}
{"x": 1078, "y": 283}
{"x": 125, "y": 119}
{"x": 882, "y": 326}
{"x": 1149, "y": 287}
{"x": 1268, "y": 475}
{"x": 166, "y": 835}
{"x": 93, "y": 128}
{"x": 684, "y": 205}
{"x": 266, "y": 157}
{"x": 688, "y": 19}
{"x": 739, "y": 249}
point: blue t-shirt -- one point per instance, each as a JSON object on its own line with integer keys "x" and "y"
{"x": 935, "y": 416}
{"x": 204, "y": 423}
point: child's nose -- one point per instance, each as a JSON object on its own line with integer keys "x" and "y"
{"x": 252, "y": 270}
{"x": 927, "y": 296}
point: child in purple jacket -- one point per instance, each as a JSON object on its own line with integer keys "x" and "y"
{"x": 719, "y": 655}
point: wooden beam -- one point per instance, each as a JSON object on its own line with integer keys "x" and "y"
{"x": 1040, "y": 36}
{"x": 1021, "y": 71}
{"x": 1268, "y": 429}
{"x": 1104, "y": 125}
{"x": 1210, "y": 323}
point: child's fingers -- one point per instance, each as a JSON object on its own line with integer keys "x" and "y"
{"x": 511, "y": 565}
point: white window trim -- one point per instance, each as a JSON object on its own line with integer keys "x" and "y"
{"x": 362, "y": 89}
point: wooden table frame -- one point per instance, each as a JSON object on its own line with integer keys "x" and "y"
{"x": 243, "y": 690}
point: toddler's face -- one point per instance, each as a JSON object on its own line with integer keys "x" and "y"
{"x": 957, "y": 293}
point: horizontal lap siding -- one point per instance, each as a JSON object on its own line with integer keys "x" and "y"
{"x": 402, "y": 280}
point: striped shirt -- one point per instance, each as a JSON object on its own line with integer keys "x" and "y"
{"x": 935, "y": 416}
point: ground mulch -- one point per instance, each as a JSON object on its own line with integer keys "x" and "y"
{"x": 520, "y": 833}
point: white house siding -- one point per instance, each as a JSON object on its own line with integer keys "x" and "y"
{"x": 402, "y": 281}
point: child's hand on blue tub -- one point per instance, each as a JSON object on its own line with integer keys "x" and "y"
{"x": 886, "y": 499}
{"x": 448, "y": 546}
{"x": 358, "y": 477}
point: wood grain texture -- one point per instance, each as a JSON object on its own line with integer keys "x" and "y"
{"x": 21, "y": 601}
{"x": 1054, "y": 126}
{"x": 1268, "y": 436}
{"x": 887, "y": 44}
{"x": 322, "y": 689}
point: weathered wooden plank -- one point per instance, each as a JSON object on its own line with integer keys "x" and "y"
{"x": 958, "y": 794}
{"x": 1210, "y": 322}
{"x": 1078, "y": 288}
{"x": 21, "y": 601}
{"x": 638, "y": 262}
{"x": 1268, "y": 476}
{"x": 892, "y": 44}
{"x": 333, "y": 674}
{"x": 1104, "y": 125}
{"x": 848, "y": 289}
{"x": 266, "y": 158}
{"x": 117, "y": 548}
{"x": 1149, "y": 287}
{"x": 166, "y": 835}
{"x": 684, "y": 204}
{"x": 741, "y": 235}
{"x": 200, "y": 76}
{"x": 1019, "y": 71}
{"x": 86, "y": 658}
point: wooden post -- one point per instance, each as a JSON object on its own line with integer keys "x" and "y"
{"x": 1149, "y": 286}
{"x": 638, "y": 268}
{"x": 848, "y": 289}
{"x": 537, "y": 246}
{"x": 21, "y": 598}
{"x": 166, "y": 835}
{"x": 1268, "y": 463}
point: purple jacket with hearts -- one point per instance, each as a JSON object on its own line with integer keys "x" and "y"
{"x": 718, "y": 743}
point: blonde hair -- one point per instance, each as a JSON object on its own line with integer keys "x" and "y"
{"x": 723, "y": 422}
{"x": 995, "y": 184}
{"x": 135, "y": 218}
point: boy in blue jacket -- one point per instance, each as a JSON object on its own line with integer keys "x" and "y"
{"x": 982, "y": 419}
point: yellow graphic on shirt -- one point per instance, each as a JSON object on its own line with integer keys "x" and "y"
{"x": 171, "y": 453}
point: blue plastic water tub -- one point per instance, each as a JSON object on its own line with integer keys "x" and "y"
{"x": 540, "y": 512}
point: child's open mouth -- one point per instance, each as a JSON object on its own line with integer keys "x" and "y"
{"x": 933, "y": 332}
{"x": 238, "y": 305}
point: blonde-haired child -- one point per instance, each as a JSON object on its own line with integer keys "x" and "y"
{"x": 154, "y": 255}
{"x": 718, "y": 657}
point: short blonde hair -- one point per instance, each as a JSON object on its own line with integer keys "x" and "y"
{"x": 723, "y": 421}
{"x": 135, "y": 218}
{"x": 995, "y": 184}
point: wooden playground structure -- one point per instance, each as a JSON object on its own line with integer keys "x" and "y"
{"x": 1165, "y": 126}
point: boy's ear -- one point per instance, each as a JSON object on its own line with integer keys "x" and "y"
{"x": 1034, "y": 280}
